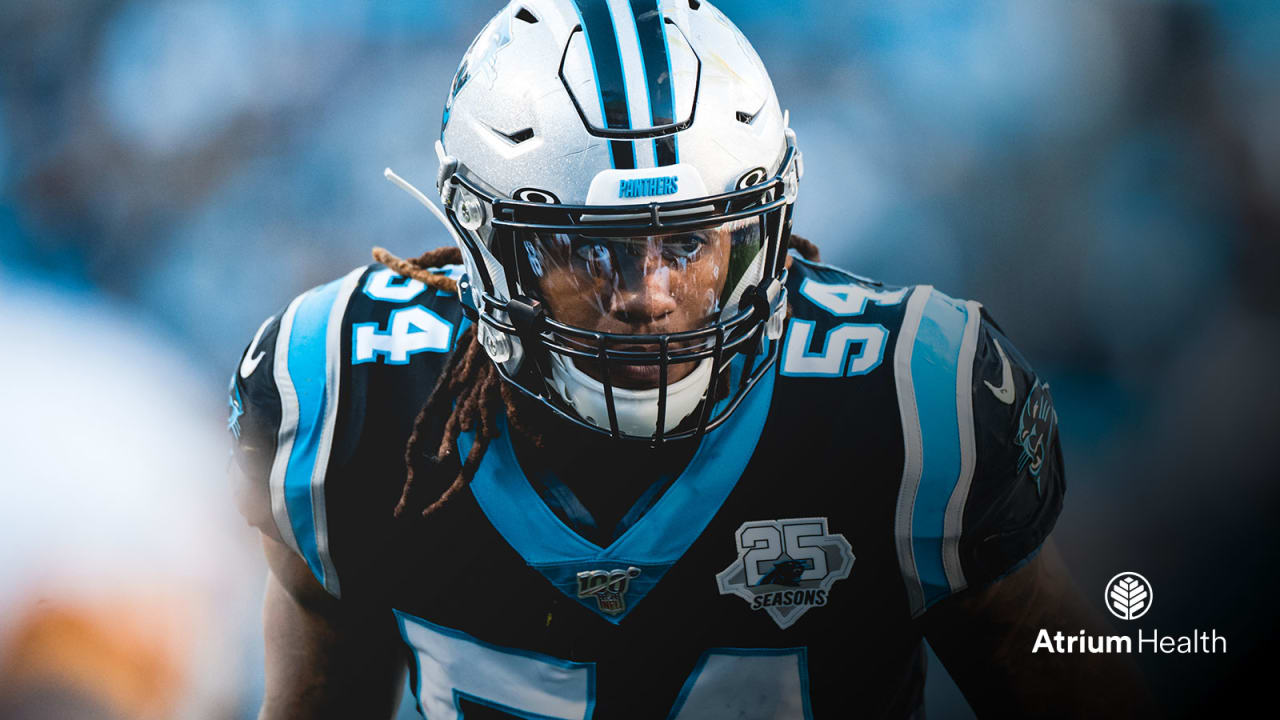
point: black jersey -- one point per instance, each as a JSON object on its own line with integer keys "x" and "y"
{"x": 900, "y": 451}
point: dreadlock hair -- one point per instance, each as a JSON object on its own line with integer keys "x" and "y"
{"x": 806, "y": 248}
{"x": 470, "y": 385}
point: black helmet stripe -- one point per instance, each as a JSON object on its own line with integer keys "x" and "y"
{"x": 624, "y": 154}
{"x": 606, "y": 61}
{"x": 665, "y": 151}
{"x": 657, "y": 75}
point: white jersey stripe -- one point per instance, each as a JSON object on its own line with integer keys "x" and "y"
{"x": 952, "y": 523}
{"x": 333, "y": 377}
{"x": 288, "y": 425}
{"x": 913, "y": 462}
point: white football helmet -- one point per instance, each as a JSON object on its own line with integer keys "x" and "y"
{"x": 628, "y": 148}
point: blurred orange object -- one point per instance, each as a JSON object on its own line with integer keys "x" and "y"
{"x": 130, "y": 657}
{"x": 127, "y": 588}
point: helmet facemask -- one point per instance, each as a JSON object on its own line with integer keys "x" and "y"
{"x": 625, "y": 319}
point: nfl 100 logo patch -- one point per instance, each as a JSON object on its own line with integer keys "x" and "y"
{"x": 608, "y": 587}
{"x": 786, "y": 567}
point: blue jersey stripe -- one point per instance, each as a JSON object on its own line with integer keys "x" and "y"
{"x": 934, "y": 361}
{"x": 308, "y": 354}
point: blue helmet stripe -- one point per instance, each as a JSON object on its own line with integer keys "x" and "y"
{"x": 657, "y": 75}
{"x": 606, "y": 62}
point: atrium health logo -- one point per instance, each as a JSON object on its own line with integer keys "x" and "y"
{"x": 1128, "y": 596}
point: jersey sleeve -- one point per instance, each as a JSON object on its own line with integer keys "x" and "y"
{"x": 1018, "y": 481}
{"x": 254, "y": 424}
{"x": 982, "y": 481}
{"x": 285, "y": 400}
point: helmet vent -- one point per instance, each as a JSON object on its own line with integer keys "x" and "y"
{"x": 694, "y": 4}
{"x": 524, "y": 14}
{"x": 746, "y": 118}
{"x": 516, "y": 137}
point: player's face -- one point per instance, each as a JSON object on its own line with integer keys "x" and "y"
{"x": 636, "y": 286}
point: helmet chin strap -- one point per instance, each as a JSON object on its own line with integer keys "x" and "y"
{"x": 499, "y": 347}
{"x": 418, "y": 195}
{"x": 637, "y": 410}
{"x": 491, "y": 263}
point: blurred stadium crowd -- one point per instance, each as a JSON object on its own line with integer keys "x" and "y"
{"x": 1104, "y": 177}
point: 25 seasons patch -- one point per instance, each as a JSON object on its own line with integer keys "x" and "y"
{"x": 786, "y": 567}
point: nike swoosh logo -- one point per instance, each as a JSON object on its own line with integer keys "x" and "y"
{"x": 1005, "y": 392}
{"x": 250, "y": 362}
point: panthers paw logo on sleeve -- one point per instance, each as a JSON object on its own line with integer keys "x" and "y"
{"x": 236, "y": 409}
{"x": 786, "y": 567}
{"x": 1035, "y": 429}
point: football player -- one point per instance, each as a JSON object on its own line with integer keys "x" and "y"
{"x": 618, "y": 453}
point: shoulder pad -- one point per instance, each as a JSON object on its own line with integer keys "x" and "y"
{"x": 978, "y": 494}
{"x": 333, "y": 380}
{"x": 287, "y": 383}
{"x": 841, "y": 324}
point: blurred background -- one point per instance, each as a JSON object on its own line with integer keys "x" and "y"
{"x": 1104, "y": 177}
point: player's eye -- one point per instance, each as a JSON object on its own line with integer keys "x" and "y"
{"x": 683, "y": 247}
{"x": 593, "y": 252}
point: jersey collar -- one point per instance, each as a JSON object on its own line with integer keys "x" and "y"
{"x": 651, "y": 545}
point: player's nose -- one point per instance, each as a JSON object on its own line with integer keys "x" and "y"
{"x": 646, "y": 297}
